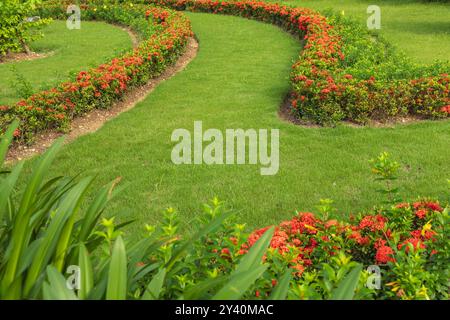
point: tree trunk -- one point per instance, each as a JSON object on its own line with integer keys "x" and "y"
{"x": 25, "y": 47}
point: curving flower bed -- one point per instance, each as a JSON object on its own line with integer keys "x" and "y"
{"x": 100, "y": 87}
{"x": 324, "y": 89}
{"x": 331, "y": 81}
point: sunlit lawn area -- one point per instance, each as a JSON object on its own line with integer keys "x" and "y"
{"x": 238, "y": 80}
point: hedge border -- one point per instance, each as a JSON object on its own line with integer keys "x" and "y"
{"x": 101, "y": 87}
{"x": 322, "y": 90}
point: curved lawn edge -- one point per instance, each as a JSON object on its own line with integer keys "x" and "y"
{"x": 94, "y": 120}
{"x": 322, "y": 89}
{"x": 101, "y": 87}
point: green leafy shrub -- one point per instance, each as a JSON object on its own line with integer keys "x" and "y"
{"x": 17, "y": 25}
{"x": 23, "y": 87}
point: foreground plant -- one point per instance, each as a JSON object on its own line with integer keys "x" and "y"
{"x": 45, "y": 233}
{"x": 39, "y": 225}
{"x": 41, "y": 237}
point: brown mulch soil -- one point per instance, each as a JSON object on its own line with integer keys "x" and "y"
{"x": 22, "y": 56}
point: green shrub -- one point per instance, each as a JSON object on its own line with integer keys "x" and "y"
{"x": 17, "y": 25}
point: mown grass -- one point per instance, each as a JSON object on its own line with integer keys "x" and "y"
{"x": 421, "y": 29}
{"x": 238, "y": 80}
{"x": 72, "y": 51}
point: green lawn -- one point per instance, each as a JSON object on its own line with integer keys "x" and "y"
{"x": 73, "y": 50}
{"x": 421, "y": 29}
{"x": 238, "y": 80}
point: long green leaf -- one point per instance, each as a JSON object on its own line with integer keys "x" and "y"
{"x": 254, "y": 256}
{"x": 117, "y": 277}
{"x": 201, "y": 290}
{"x": 6, "y": 141}
{"x": 155, "y": 286}
{"x": 281, "y": 289}
{"x": 7, "y": 187}
{"x": 347, "y": 286}
{"x": 21, "y": 231}
{"x": 95, "y": 209}
{"x": 64, "y": 241}
{"x": 239, "y": 284}
{"x": 53, "y": 234}
{"x": 56, "y": 288}
{"x": 86, "y": 272}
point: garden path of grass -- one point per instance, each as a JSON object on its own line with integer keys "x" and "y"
{"x": 238, "y": 80}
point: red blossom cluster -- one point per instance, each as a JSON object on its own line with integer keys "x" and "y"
{"x": 312, "y": 239}
{"x": 157, "y": 14}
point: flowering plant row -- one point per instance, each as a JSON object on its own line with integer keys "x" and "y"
{"x": 165, "y": 35}
{"x": 407, "y": 241}
{"x": 310, "y": 255}
{"x": 341, "y": 73}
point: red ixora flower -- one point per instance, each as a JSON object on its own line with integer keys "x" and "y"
{"x": 416, "y": 244}
{"x": 421, "y": 213}
{"x": 403, "y": 205}
{"x": 435, "y": 206}
{"x": 446, "y": 109}
{"x": 373, "y": 223}
{"x": 384, "y": 255}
